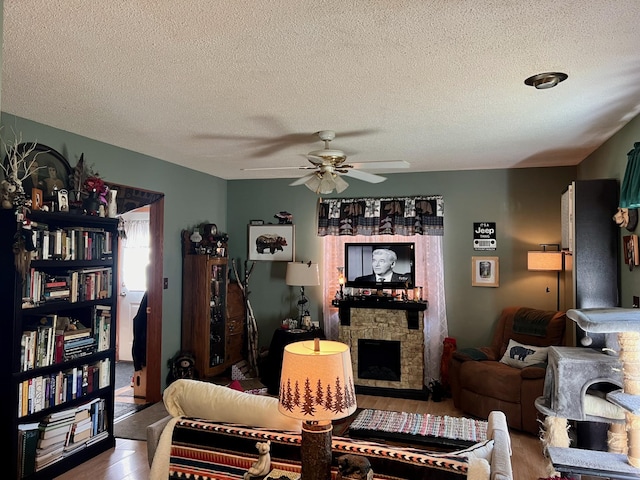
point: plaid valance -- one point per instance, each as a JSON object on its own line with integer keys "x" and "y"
{"x": 423, "y": 215}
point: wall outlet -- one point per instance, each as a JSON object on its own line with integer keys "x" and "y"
{"x": 636, "y": 302}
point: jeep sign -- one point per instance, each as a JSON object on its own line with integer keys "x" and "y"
{"x": 484, "y": 236}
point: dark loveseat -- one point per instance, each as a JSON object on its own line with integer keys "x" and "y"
{"x": 481, "y": 382}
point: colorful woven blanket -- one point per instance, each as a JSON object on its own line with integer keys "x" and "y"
{"x": 426, "y": 425}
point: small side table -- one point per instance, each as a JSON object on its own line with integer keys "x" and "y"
{"x": 273, "y": 363}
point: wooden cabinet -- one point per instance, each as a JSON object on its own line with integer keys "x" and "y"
{"x": 212, "y": 313}
{"x": 70, "y": 280}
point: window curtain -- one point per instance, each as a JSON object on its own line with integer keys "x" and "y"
{"x": 137, "y": 234}
{"x": 409, "y": 219}
{"x": 381, "y": 216}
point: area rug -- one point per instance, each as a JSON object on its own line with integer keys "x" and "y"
{"x": 124, "y": 409}
{"x": 418, "y": 428}
{"x": 134, "y": 427}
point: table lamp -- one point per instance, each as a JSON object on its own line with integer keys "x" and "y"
{"x": 300, "y": 274}
{"x": 316, "y": 386}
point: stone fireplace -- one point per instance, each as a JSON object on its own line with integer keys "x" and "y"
{"x": 387, "y": 345}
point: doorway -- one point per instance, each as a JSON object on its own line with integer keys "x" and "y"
{"x": 134, "y": 259}
{"x": 129, "y": 199}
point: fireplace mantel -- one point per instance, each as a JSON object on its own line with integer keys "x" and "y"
{"x": 412, "y": 308}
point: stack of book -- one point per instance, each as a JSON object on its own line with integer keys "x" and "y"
{"x": 88, "y": 426}
{"x": 54, "y": 433}
{"x": 56, "y": 288}
{"x": 78, "y": 343}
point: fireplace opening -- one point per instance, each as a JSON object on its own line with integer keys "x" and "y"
{"x": 379, "y": 359}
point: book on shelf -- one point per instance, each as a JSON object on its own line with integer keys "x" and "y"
{"x": 60, "y": 437}
{"x": 68, "y": 413}
{"x": 47, "y": 459}
{"x": 56, "y": 447}
{"x": 49, "y": 430}
{"x": 81, "y": 332}
{"x": 28, "y": 434}
{"x": 78, "y": 342}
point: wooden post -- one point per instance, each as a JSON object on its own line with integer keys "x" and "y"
{"x": 315, "y": 451}
{"x": 630, "y": 358}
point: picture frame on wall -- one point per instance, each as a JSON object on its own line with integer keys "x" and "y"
{"x": 485, "y": 271}
{"x": 271, "y": 243}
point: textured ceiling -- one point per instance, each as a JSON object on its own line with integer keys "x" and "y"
{"x": 219, "y": 86}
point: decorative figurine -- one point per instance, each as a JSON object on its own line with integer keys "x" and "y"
{"x": 284, "y": 218}
{"x": 262, "y": 467}
{"x": 354, "y": 467}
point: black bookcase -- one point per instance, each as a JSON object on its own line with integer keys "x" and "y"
{"x": 92, "y": 294}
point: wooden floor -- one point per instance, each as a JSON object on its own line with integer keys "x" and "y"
{"x": 128, "y": 460}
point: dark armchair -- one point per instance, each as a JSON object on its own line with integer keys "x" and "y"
{"x": 509, "y": 374}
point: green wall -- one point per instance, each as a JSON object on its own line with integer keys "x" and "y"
{"x": 524, "y": 203}
{"x": 190, "y": 198}
{"x": 610, "y": 161}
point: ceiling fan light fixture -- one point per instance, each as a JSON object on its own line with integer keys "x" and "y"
{"x": 341, "y": 185}
{"x": 327, "y": 184}
{"x": 313, "y": 183}
{"x": 543, "y": 81}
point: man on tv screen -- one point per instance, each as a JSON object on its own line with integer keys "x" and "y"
{"x": 383, "y": 260}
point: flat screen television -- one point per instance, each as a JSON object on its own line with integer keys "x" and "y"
{"x": 360, "y": 265}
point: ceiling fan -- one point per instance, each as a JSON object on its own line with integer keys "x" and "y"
{"x": 329, "y": 165}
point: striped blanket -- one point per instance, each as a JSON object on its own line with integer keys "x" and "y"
{"x": 461, "y": 430}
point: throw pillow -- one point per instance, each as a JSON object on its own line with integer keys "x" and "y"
{"x": 599, "y": 407}
{"x": 193, "y": 398}
{"x": 519, "y": 355}
{"x": 479, "y": 469}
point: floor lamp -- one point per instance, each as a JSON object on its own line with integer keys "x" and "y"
{"x": 316, "y": 386}
{"x": 547, "y": 261}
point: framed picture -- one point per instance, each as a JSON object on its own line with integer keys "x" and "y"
{"x": 63, "y": 200}
{"x": 485, "y": 271}
{"x": 256, "y": 222}
{"x": 53, "y": 170}
{"x": 631, "y": 252}
{"x": 36, "y": 199}
{"x": 271, "y": 243}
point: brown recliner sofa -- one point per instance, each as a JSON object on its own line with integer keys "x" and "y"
{"x": 481, "y": 383}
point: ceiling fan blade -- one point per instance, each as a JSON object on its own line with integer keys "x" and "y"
{"x": 277, "y": 168}
{"x": 365, "y": 176}
{"x": 386, "y": 165}
{"x": 302, "y": 180}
